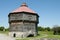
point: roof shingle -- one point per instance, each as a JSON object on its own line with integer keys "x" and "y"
{"x": 23, "y": 8}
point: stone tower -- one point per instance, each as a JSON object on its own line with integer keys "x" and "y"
{"x": 23, "y": 22}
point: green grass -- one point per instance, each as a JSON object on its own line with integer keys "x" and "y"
{"x": 23, "y": 39}
{"x": 53, "y": 36}
{"x": 49, "y": 34}
{"x": 41, "y": 35}
{"x": 4, "y": 32}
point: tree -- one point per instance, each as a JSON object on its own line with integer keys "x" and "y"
{"x": 40, "y": 28}
{"x": 56, "y": 30}
{"x": 6, "y": 29}
{"x": 2, "y": 28}
{"x": 47, "y": 28}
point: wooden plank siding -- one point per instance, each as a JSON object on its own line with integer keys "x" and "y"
{"x": 22, "y": 27}
{"x": 23, "y": 17}
{"x": 23, "y": 22}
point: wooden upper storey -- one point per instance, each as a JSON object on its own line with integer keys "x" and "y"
{"x": 24, "y": 16}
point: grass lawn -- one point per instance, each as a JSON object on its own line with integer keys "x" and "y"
{"x": 49, "y": 34}
{"x": 4, "y": 32}
{"x": 42, "y": 34}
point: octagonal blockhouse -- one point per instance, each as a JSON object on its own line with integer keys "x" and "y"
{"x": 23, "y": 22}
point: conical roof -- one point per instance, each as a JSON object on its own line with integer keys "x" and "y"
{"x": 23, "y": 8}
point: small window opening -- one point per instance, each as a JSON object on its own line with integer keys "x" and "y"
{"x": 14, "y": 35}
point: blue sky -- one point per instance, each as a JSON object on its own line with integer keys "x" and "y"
{"x": 48, "y": 10}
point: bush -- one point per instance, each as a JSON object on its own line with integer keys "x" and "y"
{"x": 56, "y": 30}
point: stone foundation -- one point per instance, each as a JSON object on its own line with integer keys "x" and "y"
{"x": 18, "y": 34}
{"x": 21, "y": 34}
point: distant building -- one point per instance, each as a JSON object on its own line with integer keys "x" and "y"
{"x": 23, "y": 22}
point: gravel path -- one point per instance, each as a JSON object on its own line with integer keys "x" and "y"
{"x": 5, "y": 37}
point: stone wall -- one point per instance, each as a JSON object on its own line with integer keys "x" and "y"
{"x": 21, "y": 34}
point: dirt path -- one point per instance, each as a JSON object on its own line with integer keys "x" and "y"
{"x": 5, "y": 37}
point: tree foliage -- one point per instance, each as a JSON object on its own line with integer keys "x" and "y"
{"x": 48, "y": 28}
{"x": 40, "y": 28}
{"x": 44, "y": 29}
{"x": 6, "y": 29}
{"x": 2, "y": 28}
{"x": 56, "y": 30}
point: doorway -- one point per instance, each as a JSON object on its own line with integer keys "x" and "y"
{"x": 14, "y": 35}
{"x": 31, "y": 35}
